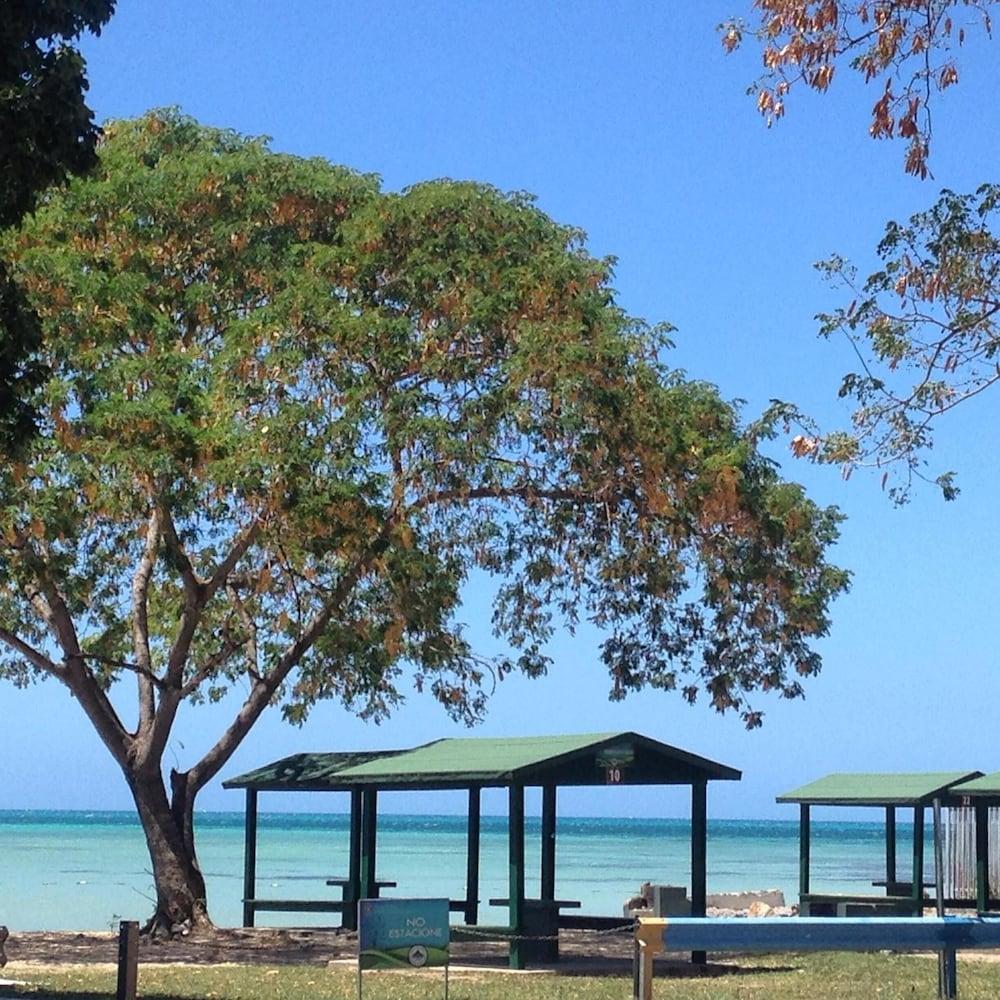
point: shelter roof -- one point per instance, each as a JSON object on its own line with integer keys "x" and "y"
{"x": 877, "y": 789}
{"x": 458, "y": 763}
{"x": 986, "y": 785}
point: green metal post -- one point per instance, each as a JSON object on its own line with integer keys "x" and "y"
{"x": 250, "y": 857}
{"x": 699, "y": 856}
{"x": 890, "y": 848}
{"x": 515, "y": 862}
{"x": 548, "y": 872}
{"x": 918, "y": 861}
{"x": 472, "y": 860}
{"x": 982, "y": 857}
{"x": 939, "y": 896}
{"x": 369, "y": 820}
{"x": 804, "y": 834}
{"x": 352, "y": 891}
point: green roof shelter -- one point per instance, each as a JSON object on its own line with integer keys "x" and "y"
{"x": 981, "y": 793}
{"x": 887, "y": 791}
{"x": 471, "y": 764}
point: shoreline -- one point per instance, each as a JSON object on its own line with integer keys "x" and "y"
{"x": 235, "y": 817}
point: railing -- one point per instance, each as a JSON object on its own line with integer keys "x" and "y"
{"x": 776, "y": 934}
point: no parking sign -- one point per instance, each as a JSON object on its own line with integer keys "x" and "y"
{"x": 403, "y": 934}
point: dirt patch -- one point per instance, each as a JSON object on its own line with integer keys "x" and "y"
{"x": 581, "y": 952}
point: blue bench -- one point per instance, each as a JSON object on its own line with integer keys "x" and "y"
{"x": 777, "y": 934}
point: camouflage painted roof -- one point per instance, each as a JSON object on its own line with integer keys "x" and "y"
{"x": 876, "y": 789}
{"x": 573, "y": 759}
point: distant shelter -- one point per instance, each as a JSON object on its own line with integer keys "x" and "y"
{"x": 472, "y": 764}
{"x": 966, "y": 838}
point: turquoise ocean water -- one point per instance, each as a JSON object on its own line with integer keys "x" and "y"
{"x": 85, "y": 871}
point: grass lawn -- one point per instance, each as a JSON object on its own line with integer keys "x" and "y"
{"x": 777, "y": 977}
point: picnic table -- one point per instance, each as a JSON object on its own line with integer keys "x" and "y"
{"x": 540, "y": 920}
{"x": 379, "y": 884}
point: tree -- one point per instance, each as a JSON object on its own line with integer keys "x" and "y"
{"x": 48, "y": 133}
{"x": 923, "y": 326}
{"x": 928, "y": 322}
{"x": 904, "y": 45}
{"x": 288, "y": 415}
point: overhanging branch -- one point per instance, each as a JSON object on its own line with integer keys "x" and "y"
{"x": 32, "y": 655}
{"x": 264, "y": 689}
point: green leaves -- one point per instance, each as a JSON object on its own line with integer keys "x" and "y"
{"x": 48, "y": 134}
{"x": 335, "y": 408}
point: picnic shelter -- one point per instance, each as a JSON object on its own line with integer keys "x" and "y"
{"x": 472, "y": 764}
{"x": 903, "y": 896}
{"x": 981, "y": 794}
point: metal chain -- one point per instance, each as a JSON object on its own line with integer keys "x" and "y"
{"x": 501, "y": 937}
{"x": 489, "y": 935}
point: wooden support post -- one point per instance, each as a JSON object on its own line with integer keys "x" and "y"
{"x": 472, "y": 859}
{"x": 804, "y": 835}
{"x": 699, "y": 856}
{"x": 250, "y": 857}
{"x": 128, "y": 959}
{"x": 369, "y": 823}
{"x": 890, "y": 848}
{"x": 352, "y": 891}
{"x": 548, "y": 872}
{"x": 515, "y": 862}
{"x": 982, "y": 857}
{"x": 918, "y": 861}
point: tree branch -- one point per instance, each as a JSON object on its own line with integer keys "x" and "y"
{"x": 49, "y": 603}
{"x": 192, "y": 585}
{"x": 244, "y": 540}
{"x": 197, "y": 594}
{"x": 150, "y": 675}
{"x": 140, "y": 619}
{"x": 262, "y": 691}
{"x": 210, "y": 664}
{"x": 35, "y": 658}
{"x": 527, "y": 492}
{"x": 252, "y": 653}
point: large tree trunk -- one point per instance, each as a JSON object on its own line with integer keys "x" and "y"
{"x": 169, "y": 829}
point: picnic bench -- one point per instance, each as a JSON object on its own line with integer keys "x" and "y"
{"x": 344, "y": 905}
{"x": 848, "y": 904}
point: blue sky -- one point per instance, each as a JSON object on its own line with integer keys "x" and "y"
{"x": 628, "y": 121}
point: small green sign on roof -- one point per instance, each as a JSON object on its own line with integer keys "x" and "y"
{"x": 883, "y": 789}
